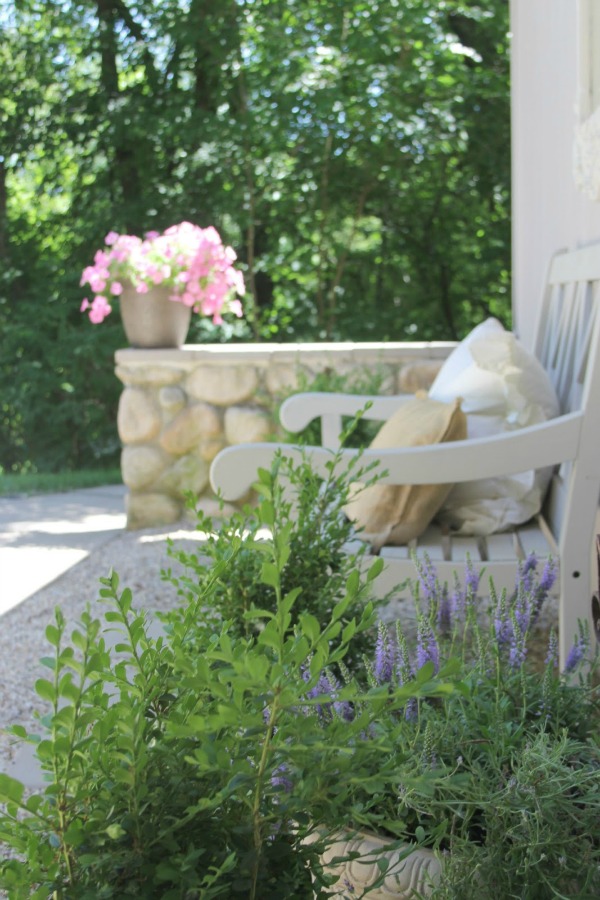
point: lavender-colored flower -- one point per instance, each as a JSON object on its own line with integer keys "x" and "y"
{"x": 385, "y": 656}
{"x": 552, "y": 654}
{"x": 525, "y": 573}
{"x": 502, "y": 624}
{"x": 458, "y": 600}
{"x": 344, "y": 709}
{"x": 428, "y": 580}
{"x": 523, "y": 610}
{"x": 576, "y": 653}
{"x": 546, "y": 582}
{"x": 411, "y": 710}
{"x": 518, "y": 649}
{"x": 325, "y": 685}
{"x": 328, "y": 685}
{"x": 427, "y": 645}
{"x": 280, "y": 779}
{"x": 472, "y": 577}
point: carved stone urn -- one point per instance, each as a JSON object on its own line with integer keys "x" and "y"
{"x": 409, "y": 869}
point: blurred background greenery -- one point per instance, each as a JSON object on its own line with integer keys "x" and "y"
{"x": 355, "y": 153}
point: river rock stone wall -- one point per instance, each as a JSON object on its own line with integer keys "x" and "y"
{"x": 179, "y": 408}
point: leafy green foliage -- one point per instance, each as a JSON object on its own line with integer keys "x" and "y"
{"x": 354, "y": 154}
{"x": 308, "y": 512}
{"x": 221, "y": 758}
{"x": 170, "y": 759}
{"x": 513, "y": 756}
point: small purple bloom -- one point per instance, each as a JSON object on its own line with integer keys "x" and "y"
{"x": 427, "y": 645}
{"x": 502, "y": 624}
{"x": 411, "y": 710}
{"x": 523, "y": 610}
{"x": 280, "y": 779}
{"x": 385, "y": 656}
{"x": 472, "y": 577}
{"x": 427, "y": 579}
{"x": 546, "y": 582}
{"x": 526, "y": 572}
{"x": 576, "y": 654}
{"x": 552, "y": 654}
{"x": 517, "y": 652}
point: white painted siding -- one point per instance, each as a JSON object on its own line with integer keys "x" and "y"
{"x": 548, "y": 212}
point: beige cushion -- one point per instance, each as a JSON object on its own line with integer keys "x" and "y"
{"x": 395, "y": 514}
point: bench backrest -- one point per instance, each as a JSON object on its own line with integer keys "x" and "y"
{"x": 567, "y": 343}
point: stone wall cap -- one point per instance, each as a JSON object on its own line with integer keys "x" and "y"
{"x": 198, "y": 353}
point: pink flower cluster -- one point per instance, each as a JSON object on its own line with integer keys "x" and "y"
{"x": 192, "y": 261}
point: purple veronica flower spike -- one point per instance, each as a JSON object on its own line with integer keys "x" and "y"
{"x": 576, "y": 653}
{"x": 472, "y": 577}
{"x": 385, "y": 656}
{"x": 526, "y": 572}
{"x": 502, "y": 624}
{"x": 428, "y": 580}
{"x": 427, "y": 645}
{"x": 552, "y": 654}
{"x": 280, "y": 779}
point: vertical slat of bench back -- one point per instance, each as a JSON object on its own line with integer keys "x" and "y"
{"x": 568, "y": 345}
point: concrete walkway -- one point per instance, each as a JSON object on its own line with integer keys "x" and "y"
{"x": 42, "y": 536}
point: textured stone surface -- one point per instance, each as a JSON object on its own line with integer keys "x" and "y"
{"x": 171, "y": 399}
{"x": 138, "y": 418}
{"x": 153, "y": 376}
{"x": 222, "y": 385}
{"x": 243, "y": 423}
{"x": 145, "y": 510}
{"x": 188, "y": 427}
{"x": 209, "y": 447}
{"x": 141, "y": 466}
{"x": 189, "y": 473}
{"x": 417, "y": 377}
{"x": 281, "y": 380}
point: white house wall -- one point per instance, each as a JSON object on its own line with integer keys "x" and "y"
{"x": 548, "y": 211}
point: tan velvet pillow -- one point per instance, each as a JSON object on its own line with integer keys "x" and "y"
{"x": 395, "y": 514}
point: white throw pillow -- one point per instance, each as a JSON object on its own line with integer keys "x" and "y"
{"x": 503, "y": 387}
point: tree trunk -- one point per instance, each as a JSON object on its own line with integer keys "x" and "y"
{"x": 3, "y": 212}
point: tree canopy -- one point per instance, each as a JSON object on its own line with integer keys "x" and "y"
{"x": 355, "y": 153}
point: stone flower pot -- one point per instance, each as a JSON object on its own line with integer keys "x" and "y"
{"x": 419, "y": 871}
{"x": 152, "y": 320}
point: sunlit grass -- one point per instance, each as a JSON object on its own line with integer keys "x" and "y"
{"x": 45, "y": 482}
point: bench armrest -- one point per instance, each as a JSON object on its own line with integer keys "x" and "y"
{"x": 234, "y": 470}
{"x": 300, "y": 410}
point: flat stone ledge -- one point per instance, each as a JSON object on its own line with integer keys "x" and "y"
{"x": 192, "y": 355}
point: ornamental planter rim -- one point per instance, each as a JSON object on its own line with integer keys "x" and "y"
{"x": 418, "y": 870}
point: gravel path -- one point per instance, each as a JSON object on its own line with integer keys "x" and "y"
{"x": 137, "y": 557}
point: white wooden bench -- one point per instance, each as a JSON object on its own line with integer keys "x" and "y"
{"x": 567, "y": 342}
